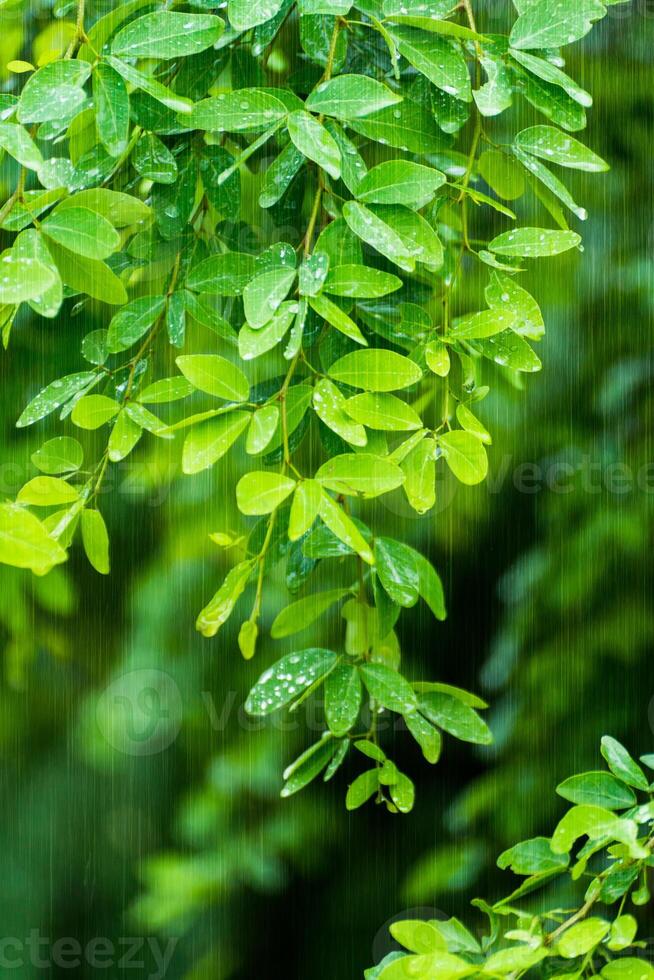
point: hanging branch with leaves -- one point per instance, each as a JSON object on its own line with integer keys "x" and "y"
{"x": 292, "y": 196}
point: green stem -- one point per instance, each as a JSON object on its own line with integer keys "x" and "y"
{"x": 79, "y": 30}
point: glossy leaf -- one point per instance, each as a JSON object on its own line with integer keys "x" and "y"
{"x": 215, "y": 375}
{"x": 167, "y": 34}
{"x": 286, "y": 679}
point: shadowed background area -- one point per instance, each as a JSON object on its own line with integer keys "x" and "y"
{"x": 136, "y": 798}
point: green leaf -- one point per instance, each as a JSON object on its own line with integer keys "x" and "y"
{"x": 417, "y": 235}
{"x": 120, "y": 209}
{"x": 628, "y": 968}
{"x": 82, "y": 231}
{"x": 223, "y": 275}
{"x": 376, "y": 233}
{"x": 47, "y": 491}
{"x": 255, "y": 342}
{"x": 54, "y": 91}
{"x": 496, "y": 94}
{"x": 123, "y": 437}
{"x": 430, "y": 586}
{"x": 247, "y": 639}
{"x": 265, "y": 293}
{"x": 388, "y": 688}
{"x": 400, "y": 182}
{"x": 437, "y": 357}
{"x": 298, "y": 615}
{"x": 31, "y": 245}
{"x": 417, "y": 936}
{"x": 161, "y": 93}
{"x": 343, "y": 527}
{"x": 397, "y": 571}
{"x": 95, "y": 540}
{"x": 623, "y": 932}
{"x": 146, "y": 420}
{"x": 59, "y": 455}
{"x": 279, "y": 176}
{"x": 581, "y": 937}
{"x": 261, "y": 492}
{"x": 552, "y": 183}
{"x": 511, "y": 351}
{"x": 335, "y": 316}
{"x": 360, "y": 282}
{"x": 262, "y": 428}
{"x": 23, "y": 278}
{"x": 313, "y": 273}
{"x": 330, "y": 407}
{"x": 557, "y": 147}
{"x": 598, "y": 788}
{"x": 245, "y": 14}
{"x": 553, "y": 23}
{"x": 427, "y": 737}
{"x": 54, "y": 395}
{"x": 503, "y": 292}
{"x": 515, "y": 959}
{"x": 153, "y": 160}
{"x": 133, "y": 321}
{"x": 383, "y": 411}
{"x": 554, "y": 76}
{"x": 403, "y": 793}
{"x": 111, "y": 103}
{"x": 166, "y": 390}
{"x": 19, "y": 144}
{"x": 440, "y": 60}
{"x": 502, "y": 174}
{"x": 376, "y": 370}
{"x": 465, "y": 455}
{"x": 360, "y": 791}
{"x": 24, "y": 541}
{"x": 215, "y": 375}
{"x": 531, "y": 857}
{"x": 370, "y": 749}
{"x": 471, "y": 423}
{"x": 304, "y": 508}
{"x": 343, "y": 695}
{"x": 593, "y": 822}
{"x": 360, "y": 473}
{"x": 288, "y": 678}
{"x": 312, "y": 140}
{"x": 405, "y": 126}
{"x": 92, "y": 411}
{"x": 309, "y": 765}
{"x": 239, "y": 111}
{"x": 221, "y": 606}
{"x": 205, "y": 444}
{"x": 419, "y": 468}
{"x": 165, "y": 34}
{"x": 350, "y": 96}
{"x": 534, "y": 242}
{"x": 554, "y": 103}
{"x": 621, "y": 764}
{"x": 455, "y": 717}
{"x": 479, "y": 325}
